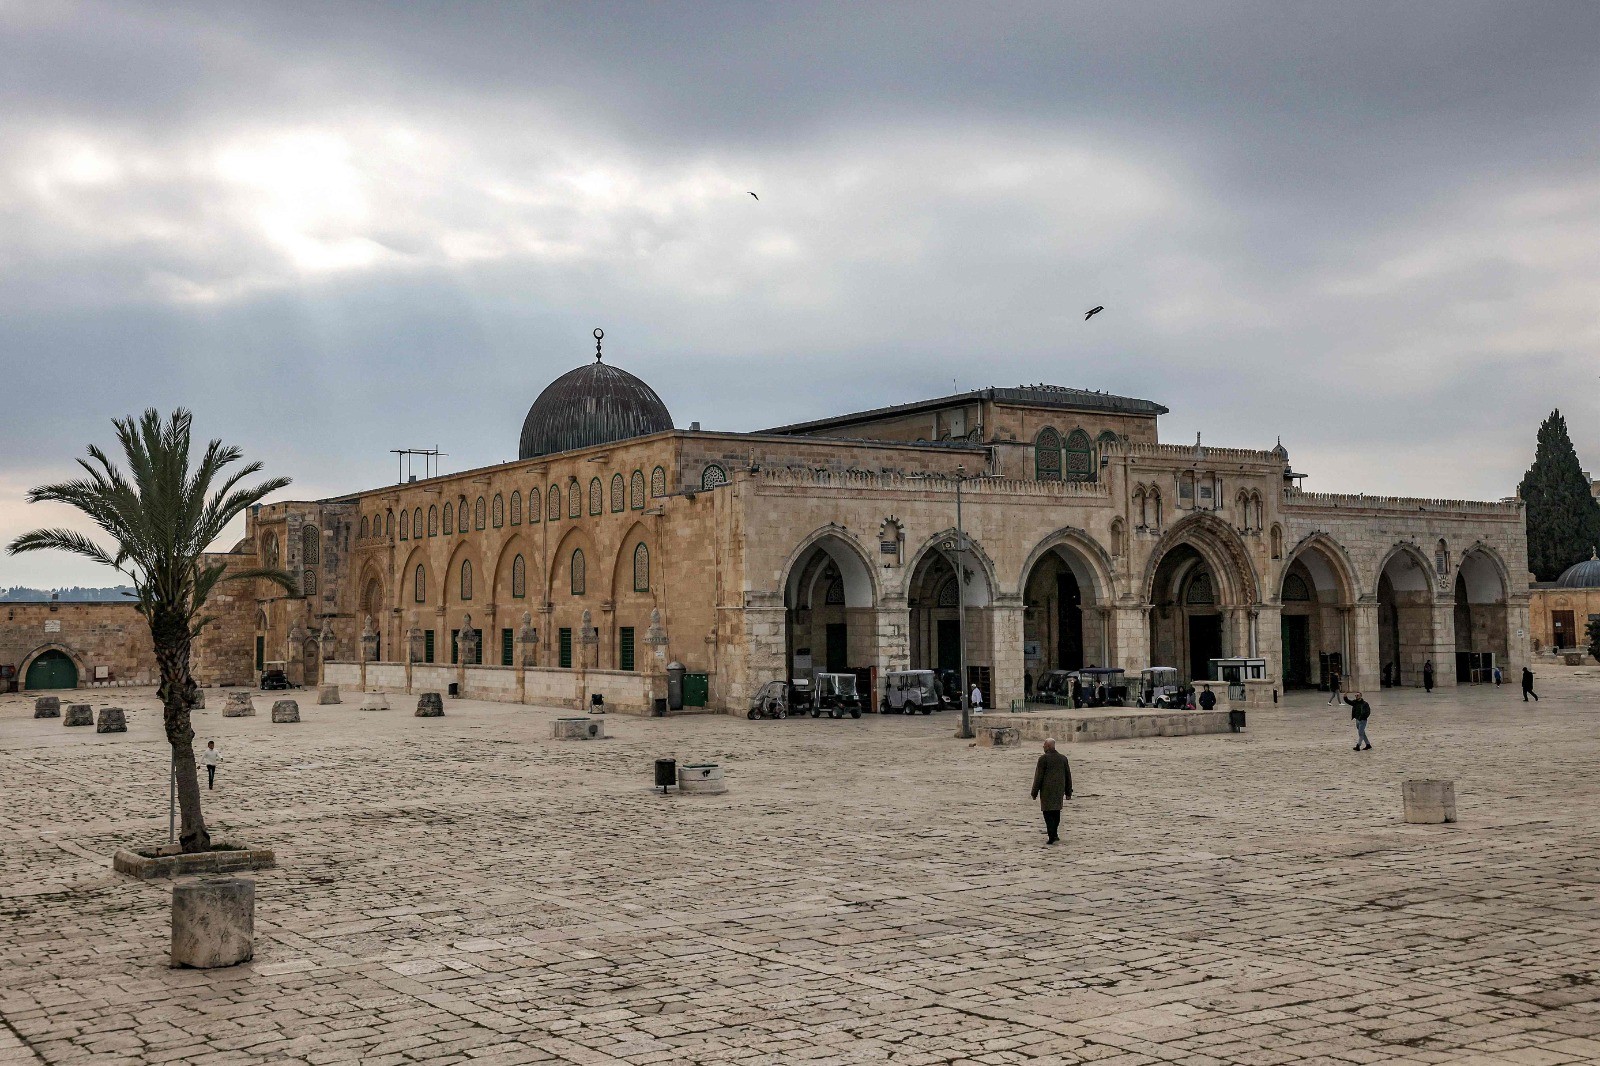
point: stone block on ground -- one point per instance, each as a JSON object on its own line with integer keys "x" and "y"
{"x": 578, "y": 729}
{"x": 1429, "y": 802}
{"x": 998, "y": 736}
{"x": 328, "y": 695}
{"x": 374, "y": 701}
{"x": 430, "y": 705}
{"x": 47, "y": 707}
{"x": 112, "y": 720}
{"x": 78, "y": 714}
{"x": 213, "y": 922}
{"x": 701, "y": 779}
{"x": 240, "y": 705}
{"x": 285, "y": 711}
{"x": 198, "y": 701}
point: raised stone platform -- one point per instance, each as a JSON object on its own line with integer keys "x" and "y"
{"x": 1104, "y": 723}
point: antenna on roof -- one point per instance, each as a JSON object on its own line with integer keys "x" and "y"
{"x": 430, "y": 462}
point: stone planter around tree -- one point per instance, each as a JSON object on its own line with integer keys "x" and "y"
{"x": 239, "y": 705}
{"x": 47, "y": 707}
{"x": 430, "y": 705}
{"x": 213, "y": 922}
{"x": 285, "y": 711}
{"x": 78, "y": 714}
{"x": 112, "y": 720}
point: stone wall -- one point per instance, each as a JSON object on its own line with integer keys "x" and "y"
{"x": 112, "y": 638}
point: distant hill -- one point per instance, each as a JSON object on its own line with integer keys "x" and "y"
{"x": 75, "y": 594}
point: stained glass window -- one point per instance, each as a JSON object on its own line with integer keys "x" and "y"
{"x": 449, "y": 519}
{"x": 713, "y": 476}
{"x": 619, "y": 493}
{"x": 658, "y": 482}
{"x": 1079, "y": 464}
{"x": 577, "y": 572}
{"x": 516, "y": 508}
{"x": 497, "y": 511}
{"x": 519, "y": 578}
{"x": 416, "y": 524}
{"x": 308, "y": 583}
{"x": 466, "y": 579}
{"x": 596, "y": 494}
{"x": 1295, "y": 590}
{"x": 555, "y": 502}
{"x": 574, "y": 499}
{"x": 433, "y": 519}
{"x": 636, "y": 491}
{"x": 1047, "y": 456}
{"x": 309, "y": 546}
{"x": 461, "y": 514}
{"x": 419, "y": 584}
{"x": 364, "y": 534}
{"x": 479, "y": 514}
{"x": 388, "y": 523}
{"x": 641, "y": 568}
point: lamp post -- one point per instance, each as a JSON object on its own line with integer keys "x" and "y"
{"x": 955, "y": 546}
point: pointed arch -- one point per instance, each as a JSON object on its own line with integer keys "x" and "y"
{"x": 574, "y": 499}
{"x": 1092, "y": 564}
{"x": 596, "y": 496}
{"x": 1222, "y": 549}
{"x": 480, "y": 514}
{"x": 982, "y": 581}
{"x": 855, "y": 565}
{"x": 433, "y": 519}
{"x": 462, "y": 518}
{"x": 555, "y": 503}
{"x": 619, "y": 494}
{"x": 516, "y": 507}
{"x": 1329, "y": 565}
{"x": 449, "y": 519}
{"x": 658, "y": 482}
{"x": 712, "y": 477}
{"x": 505, "y": 585}
{"x": 558, "y": 582}
{"x": 497, "y": 511}
{"x": 636, "y": 491}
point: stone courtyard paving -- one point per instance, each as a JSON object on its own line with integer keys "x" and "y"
{"x": 465, "y": 889}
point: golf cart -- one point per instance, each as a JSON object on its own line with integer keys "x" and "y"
{"x": 801, "y": 695}
{"x": 1055, "y": 687}
{"x": 1104, "y": 686}
{"x": 1159, "y": 687}
{"x": 770, "y": 701}
{"x": 836, "y": 694}
{"x": 909, "y": 691}
{"x": 273, "y": 676}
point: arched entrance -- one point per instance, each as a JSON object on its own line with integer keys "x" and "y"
{"x": 829, "y": 617}
{"x": 1317, "y": 595}
{"x": 51, "y": 669}
{"x": 934, "y": 602}
{"x": 1405, "y": 617}
{"x": 1480, "y": 617}
{"x": 1062, "y": 626}
{"x": 1186, "y": 621}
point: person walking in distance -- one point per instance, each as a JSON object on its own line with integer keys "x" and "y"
{"x": 1527, "y": 685}
{"x": 1333, "y": 687}
{"x": 1360, "y": 710}
{"x": 210, "y": 758}
{"x": 1498, "y": 676}
{"x": 975, "y": 699}
{"x": 1427, "y": 676}
{"x": 1052, "y": 784}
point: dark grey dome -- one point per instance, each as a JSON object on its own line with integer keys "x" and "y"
{"x": 1584, "y": 575}
{"x": 594, "y": 404}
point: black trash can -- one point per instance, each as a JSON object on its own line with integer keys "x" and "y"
{"x": 455, "y": 691}
{"x": 1235, "y": 720}
{"x": 660, "y": 707}
{"x": 666, "y": 774}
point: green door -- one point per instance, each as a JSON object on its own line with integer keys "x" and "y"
{"x": 507, "y": 647}
{"x": 261, "y": 653}
{"x": 51, "y": 670}
{"x": 696, "y": 690}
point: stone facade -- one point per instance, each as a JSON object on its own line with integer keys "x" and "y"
{"x": 1559, "y": 617}
{"x": 107, "y": 644}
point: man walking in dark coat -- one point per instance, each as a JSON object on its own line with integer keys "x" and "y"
{"x": 1360, "y": 710}
{"x": 1427, "y": 676}
{"x": 1527, "y": 685}
{"x": 1052, "y": 783}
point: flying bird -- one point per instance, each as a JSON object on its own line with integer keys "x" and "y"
{"x": 753, "y": 196}
{"x": 1092, "y": 311}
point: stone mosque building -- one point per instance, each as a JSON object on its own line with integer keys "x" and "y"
{"x": 616, "y": 544}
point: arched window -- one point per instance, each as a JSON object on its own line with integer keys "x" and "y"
{"x": 269, "y": 550}
{"x": 636, "y": 491}
{"x": 461, "y": 515}
{"x": 310, "y": 543}
{"x": 388, "y": 524}
{"x": 1295, "y": 590}
{"x": 658, "y": 482}
{"x": 416, "y": 524}
{"x": 1260, "y": 511}
{"x": 433, "y": 519}
{"x": 308, "y": 583}
{"x": 574, "y": 499}
{"x": 419, "y": 585}
{"x": 1138, "y": 508}
{"x": 577, "y": 572}
{"x": 449, "y": 520}
{"x": 949, "y": 593}
{"x": 466, "y": 579}
{"x": 516, "y": 507}
{"x": 1155, "y": 507}
{"x": 480, "y": 515}
{"x": 363, "y": 534}
{"x": 519, "y": 578}
{"x": 535, "y": 508}
{"x": 1078, "y": 463}
{"x": 641, "y": 568}
{"x": 497, "y": 511}
{"x": 619, "y": 494}
{"x": 1277, "y": 542}
{"x": 555, "y": 502}
{"x": 596, "y": 496}
{"x": 1441, "y": 558}
{"x": 1047, "y": 456}
{"x": 405, "y": 525}
{"x": 712, "y": 476}
{"x": 1119, "y": 537}
{"x": 1106, "y": 437}
{"x": 834, "y": 596}
{"x": 1200, "y": 594}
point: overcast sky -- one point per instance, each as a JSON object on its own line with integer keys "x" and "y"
{"x": 337, "y": 229}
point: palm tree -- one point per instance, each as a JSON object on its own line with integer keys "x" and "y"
{"x": 160, "y": 524}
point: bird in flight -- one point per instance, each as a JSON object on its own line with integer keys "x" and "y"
{"x": 753, "y": 196}
{"x": 1092, "y": 312}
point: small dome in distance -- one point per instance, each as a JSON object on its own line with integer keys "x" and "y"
{"x": 1584, "y": 575}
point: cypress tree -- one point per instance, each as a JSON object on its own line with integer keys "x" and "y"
{"x": 1563, "y": 519}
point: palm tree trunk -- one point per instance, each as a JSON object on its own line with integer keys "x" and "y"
{"x": 170, "y": 634}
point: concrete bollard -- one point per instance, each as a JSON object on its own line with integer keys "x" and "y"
{"x": 198, "y": 701}
{"x": 47, "y": 707}
{"x": 374, "y": 701}
{"x": 1429, "y": 802}
{"x": 430, "y": 705}
{"x": 328, "y": 695}
{"x": 284, "y": 711}
{"x": 78, "y": 714}
{"x": 998, "y": 736}
{"x": 112, "y": 720}
{"x": 239, "y": 705}
{"x": 701, "y": 779}
{"x": 213, "y": 922}
{"x": 578, "y": 729}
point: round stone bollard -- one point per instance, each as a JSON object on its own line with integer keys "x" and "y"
{"x": 78, "y": 714}
{"x": 213, "y": 922}
{"x": 47, "y": 707}
{"x": 430, "y": 705}
{"x": 112, "y": 720}
{"x": 328, "y": 695}
{"x": 374, "y": 701}
{"x": 284, "y": 711}
{"x": 701, "y": 779}
{"x": 240, "y": 705}
{"x": 1429, "y": 802}
{"x": 578, "y": 729}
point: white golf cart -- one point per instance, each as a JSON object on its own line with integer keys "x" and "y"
{"x": 909, "y": 691}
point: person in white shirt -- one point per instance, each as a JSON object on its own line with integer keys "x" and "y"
{"x": 210, "y": 758}
{"x": 975, "y": 700}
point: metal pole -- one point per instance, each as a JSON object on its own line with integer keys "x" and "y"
{"x": 172, "y": 796}
{"x": 961, "y": 616}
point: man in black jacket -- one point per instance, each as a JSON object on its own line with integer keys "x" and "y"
{"x": 1360, "y": 710}
{"x": 1052, "y": 783}
{"x": 1527, "y": 685}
